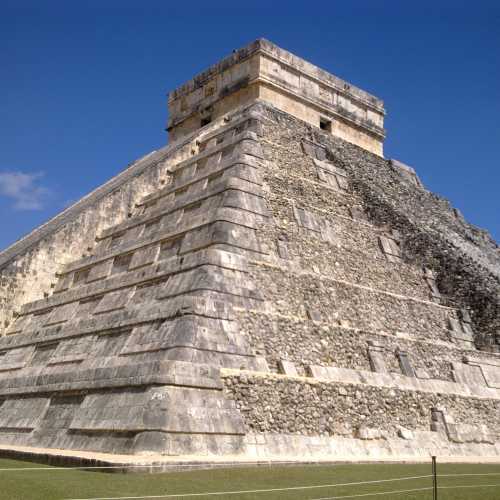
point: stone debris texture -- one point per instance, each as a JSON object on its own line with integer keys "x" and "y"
{"x": 259, "y": 288}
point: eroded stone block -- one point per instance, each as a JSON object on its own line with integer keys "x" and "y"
{"x": 14, "y": 359}
{"x": 287, "y": 368}
{"x": 391, "y": 248}
{"x": 376, "y": 356}
{"x": 406, "y": 434}
{"x": 22, "y": 413}
{"x": 62, "y": 314}
{"x": 306, "y": 219}
{"x": 283, "y": 250}
{"x": 314, "y": 314}
{"x": 407, "y": 172}
{"x": 333, "y": 176}
{"x": 405, "y": 364}
{"x": 100, "y": 271}
{"x": 114, "y": 301}
{"x": 72, "y": 350}
{"x": 144, "y": 257}
{"x": 369, "y": 433}
{"x": 64, "y": 282}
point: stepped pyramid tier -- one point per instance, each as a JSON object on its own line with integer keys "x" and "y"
{"x": 266, "y": 286}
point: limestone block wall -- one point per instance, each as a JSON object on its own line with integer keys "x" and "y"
{"x": 124, "y": 355}
{"x": 266, "y": 72}
{"x": 28, "y": 267}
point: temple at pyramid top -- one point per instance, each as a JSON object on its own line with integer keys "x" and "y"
{"x": 264, "y": 71}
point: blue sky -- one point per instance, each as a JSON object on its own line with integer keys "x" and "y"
{"x": 83, "y": 87}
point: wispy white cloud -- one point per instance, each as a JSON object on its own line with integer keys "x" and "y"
{"x": 24, "y": 190}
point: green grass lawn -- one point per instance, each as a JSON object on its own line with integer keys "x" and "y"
{"x": 53, "y": 484}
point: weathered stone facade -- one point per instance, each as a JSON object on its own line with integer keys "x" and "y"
{"x": 261, "y": 287}
{"x": 263, "y": 71}
{"x": 301, "y": 406}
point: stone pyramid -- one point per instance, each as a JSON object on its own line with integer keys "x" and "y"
{"x": 267, "y": 286}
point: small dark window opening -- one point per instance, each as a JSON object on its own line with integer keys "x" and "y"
{"x": 325, "y": 124}
{"x": 206, "y": 120}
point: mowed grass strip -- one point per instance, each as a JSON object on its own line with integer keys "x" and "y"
{"x": 40, "y": 483}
